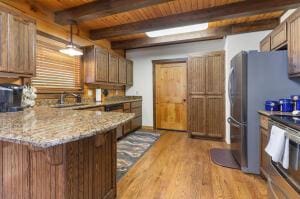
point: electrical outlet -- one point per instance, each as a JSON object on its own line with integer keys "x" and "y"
{"x": 90, "y": 92}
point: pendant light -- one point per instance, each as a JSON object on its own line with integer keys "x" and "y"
{"x": 71, "y": 49}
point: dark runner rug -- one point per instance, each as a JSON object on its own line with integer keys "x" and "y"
{"x": 131, "y": 148}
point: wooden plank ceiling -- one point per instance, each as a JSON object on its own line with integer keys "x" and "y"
{"x": 157, "y": 9}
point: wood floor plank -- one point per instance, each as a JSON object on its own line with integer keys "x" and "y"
{"x": 180, "y": 167}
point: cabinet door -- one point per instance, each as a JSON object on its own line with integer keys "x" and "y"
{"x": 113, "y": 73}
{"x": 129, "y": 72}
{"x": 122, "y": 71}
{"x": 196, "y": 75}
{"x": 278, "y": 36}
{"x": 294, "y": 44}
{"x": 215, "y": 116}
{"x": 265, "y": 44}
{"x": 197, "y": 115}
{"x": 101, "y": 62}
{"x": 21, "y": 45}
{"x": 3, "y": 41}
{"x": 264, "y": 157}
{"x": 214, "y": 74}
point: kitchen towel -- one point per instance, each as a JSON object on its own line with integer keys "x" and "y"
{"x": 276, "y": 145}
{"x": 286, "y": 153}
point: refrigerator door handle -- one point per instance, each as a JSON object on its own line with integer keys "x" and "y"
{"x": 229, "y": 85}
{"x": 235, "y": 123}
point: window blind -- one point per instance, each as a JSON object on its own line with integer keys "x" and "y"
{"x": 55, "y": 70}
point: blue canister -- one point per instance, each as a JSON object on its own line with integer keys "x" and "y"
{"x": 286, "y": 105}
{"x": 297, "y": 105}
{"x": 272, "y": 105}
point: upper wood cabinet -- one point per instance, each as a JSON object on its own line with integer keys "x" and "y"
{"x": 196, "y": 75}
{"x": 96, "y": 64}
{"x": 122, "y": 71}
{"x": 113, "y": 72}
{"x": 293, "y": 24}
{"x": 278, "y": 36}
{"x": 214, "y": 74}
{"x": 129, "y": 72}
{"x": 265, "y": 44}
{"x": 17, "y": 44}
{"x": 3, "y": 41}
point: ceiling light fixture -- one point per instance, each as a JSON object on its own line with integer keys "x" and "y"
{"x": 71, "y": 49}
{"x": 178, "y": 30}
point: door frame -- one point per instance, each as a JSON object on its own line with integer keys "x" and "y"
{"x": 161, "y": 61}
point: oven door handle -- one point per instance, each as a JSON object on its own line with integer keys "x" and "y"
{"x": 273, "y": 185}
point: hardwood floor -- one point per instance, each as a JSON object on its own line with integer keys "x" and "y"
{"x": 180, "y": 167}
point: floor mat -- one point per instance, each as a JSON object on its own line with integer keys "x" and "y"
{"x": 223, "y": 157}
{"x": 131, "y": 148}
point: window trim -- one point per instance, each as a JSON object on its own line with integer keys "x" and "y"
{"x": 61, "y": 90}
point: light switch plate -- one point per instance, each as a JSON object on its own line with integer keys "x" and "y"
{"x": 90, "y": 92}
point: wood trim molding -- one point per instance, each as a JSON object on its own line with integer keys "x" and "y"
{"x": 164, "y": 61}
{"x": 227, "y": 11}
{"x": 209, "y": 34}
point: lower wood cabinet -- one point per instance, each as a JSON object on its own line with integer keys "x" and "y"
{"x": 264, "y": 139}
{"x": 206, "y": 116}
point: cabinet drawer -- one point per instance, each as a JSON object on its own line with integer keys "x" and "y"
{"x": 126, "y": 106}
{"x": 279, "y": 36}
{"x": 137, "y": 111}
{"x": 264, "y": 122}
{"x": 136, "y": 123}
{"x": 136, "y": 104}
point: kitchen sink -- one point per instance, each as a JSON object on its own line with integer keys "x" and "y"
{"x": 68, "y": 105}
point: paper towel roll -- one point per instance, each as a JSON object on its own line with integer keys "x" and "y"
{"x": 98, "y": 95}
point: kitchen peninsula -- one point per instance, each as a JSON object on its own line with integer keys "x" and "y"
{"x": 59, "y": 153}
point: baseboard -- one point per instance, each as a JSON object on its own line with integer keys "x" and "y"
{"x": 147, "y": 128}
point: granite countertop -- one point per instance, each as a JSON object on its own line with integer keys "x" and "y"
{"x": 46, "y": 127}
{"x": 270, "y": 113}
{"x": 99, "y": 104}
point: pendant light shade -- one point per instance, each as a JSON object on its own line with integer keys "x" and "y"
{"x": 71, "y": 49}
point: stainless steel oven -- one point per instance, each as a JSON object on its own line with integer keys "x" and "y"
{"x": 285, "y": 183}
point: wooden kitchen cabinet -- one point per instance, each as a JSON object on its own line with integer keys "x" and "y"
{"x": 3, "y": 41}
{"x": 264, "y": 138}
{"x": 113, "y": 72}
{"x": 96, "y": 64}
{"x": 129, "y": 72}
{"x": 17, "y": 44}
{"x": 214, "y": 74}
{"x": 265, "y": 44}
{"x": 293, "y": 24}
{"x": 279, "y": 36}
{"x": 206, "y": 101}
{"x": 122, "y": 71}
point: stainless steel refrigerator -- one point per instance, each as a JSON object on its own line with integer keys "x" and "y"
{"x": 254, "y": 78}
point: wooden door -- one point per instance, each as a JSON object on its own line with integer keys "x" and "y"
{"x": 122, "y": 71}
{"x": 3, "y": 41}
{"x": 113, "y": 74}
{"x": 101, "y": 64}
{"x": 171, "y": 94}
{"x": 21, "y": 45}
{"x": 214, "y": 74}
{"x": 129, "y": 72}
{"x": 294, "y": 45}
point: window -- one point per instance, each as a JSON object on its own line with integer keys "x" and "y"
{"x": 54, "y": 70}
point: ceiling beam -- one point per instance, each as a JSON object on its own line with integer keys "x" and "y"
{"x": 101, "y": 8}
{"x": 211, "y": 33}
{"x": 233, "y": 10}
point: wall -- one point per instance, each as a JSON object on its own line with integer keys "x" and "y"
{"x": 142, "y": 72}
{"x": 143, "y": 64}
{"x": 233, "y": 45}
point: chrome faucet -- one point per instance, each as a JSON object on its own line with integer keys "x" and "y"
{"x": 64, "y": 94}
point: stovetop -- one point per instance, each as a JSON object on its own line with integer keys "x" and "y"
{"x": 290, "y": 121}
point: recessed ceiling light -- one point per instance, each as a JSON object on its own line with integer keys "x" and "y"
{"x": 178, "y": 30}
